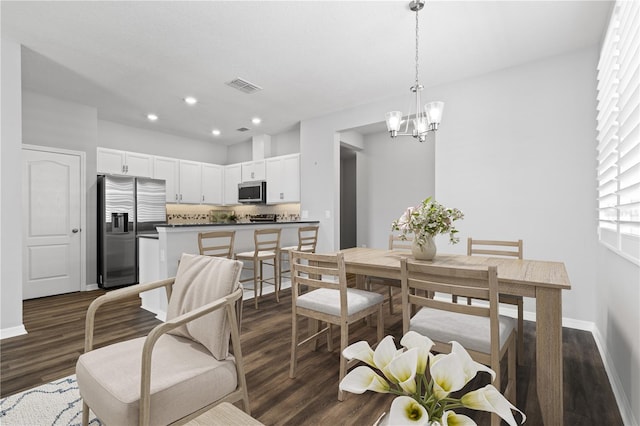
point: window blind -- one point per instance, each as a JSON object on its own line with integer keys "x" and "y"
{"x": 618, "y": 127}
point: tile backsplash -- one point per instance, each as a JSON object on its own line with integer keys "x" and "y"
{"x": 194, "y": 213}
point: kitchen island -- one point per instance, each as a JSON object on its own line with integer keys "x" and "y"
{"x": 158, "y": 255}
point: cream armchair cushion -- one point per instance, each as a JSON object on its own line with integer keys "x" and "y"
{"x": 199, "y": 280}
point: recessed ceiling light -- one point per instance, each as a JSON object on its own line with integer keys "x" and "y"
{"x": 190, "y": 100}
{"x": 215, "y": 132}
{"x": 256, "y": 120}
{"x": 152, "y": 117}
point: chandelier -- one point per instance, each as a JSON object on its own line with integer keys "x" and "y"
{"x": 425, "y": 120}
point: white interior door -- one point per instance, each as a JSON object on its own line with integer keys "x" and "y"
{"x": 51, "y": 225}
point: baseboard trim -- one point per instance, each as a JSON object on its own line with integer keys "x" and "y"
{"x": 624, "y": 404}
{"x": 91, "y": 287}
{"x": 6, "y": 333}
{"x": 161, "y": 315}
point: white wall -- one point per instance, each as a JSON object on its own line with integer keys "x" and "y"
{"x": 516, "y": 153}
{"x": 126, "y": 138}
{"x": 618, "y": 326}
{"x": 11, "y": 192}
{"x": 320, "y": 166}
{"x": 52, "y": 122}
{"x": 286, "y": 142}
{"x": 396, "y": 173}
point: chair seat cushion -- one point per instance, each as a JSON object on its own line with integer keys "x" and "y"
{"x": 472, "y": 332}
{"x": 248, "y": 255}
{"x": 327, "y": 300}
{"x": 184, "y": 378}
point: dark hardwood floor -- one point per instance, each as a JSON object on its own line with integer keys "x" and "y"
{"x": 56, "y": 332}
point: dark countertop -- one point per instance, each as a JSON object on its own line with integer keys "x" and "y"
{"x": 152, "y": 235}
{"x": 183, "y": 225}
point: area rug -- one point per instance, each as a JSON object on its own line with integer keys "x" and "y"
{"x": 55, "y": 403}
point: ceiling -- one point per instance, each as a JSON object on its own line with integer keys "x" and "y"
{"x": 129, "y": 58}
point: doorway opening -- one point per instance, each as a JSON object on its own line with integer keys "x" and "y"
{"x": 348, "y": 198}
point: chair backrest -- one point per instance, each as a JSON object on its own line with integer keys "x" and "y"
{"x": 266, "y": 240}
{"x": 201, "y": 280}
{"x": 319, "y": 271}
{"x": 216, "y": 243}
{"x": 494, "y": 248}
{"x": 397, "y": 243}
{"x": 418, "y": 280}
{"x": 308, "y": 238}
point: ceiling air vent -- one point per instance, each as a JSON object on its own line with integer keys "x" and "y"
{"x": 243, "y": 129}
{"x": 243, "y": 85}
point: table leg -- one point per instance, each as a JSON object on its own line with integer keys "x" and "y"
{"x": 549, "y": 378}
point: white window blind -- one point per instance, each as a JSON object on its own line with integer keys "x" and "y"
{"x": 619, "y": 132}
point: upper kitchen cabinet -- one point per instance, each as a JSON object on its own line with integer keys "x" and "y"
{"x": 212, "y": 183}
{"x": 283, "y": 179}
{"x": 114, "y": 161}
{"x": 190, "y": 182}
{"x": 169, "y": 170}
{"x": 232, "y": 177}
{"x": 253, "y": 170}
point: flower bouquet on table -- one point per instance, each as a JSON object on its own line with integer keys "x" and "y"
{"x": 424, "y": 381}
{"x": 427, "y": 220}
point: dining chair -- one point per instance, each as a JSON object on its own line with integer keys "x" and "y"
{"x": 327, "y": 300}
{"x": 503, "y": 249}
{"x": 487, "y": 336}
{"x": 307, "y": 241}
{"x": 395, "y": 243}
{"x": 266, "y": 248}
{"x": 216, "y": 243}
{"x": 192, "y": 369}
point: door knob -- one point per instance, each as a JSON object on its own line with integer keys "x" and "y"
{"x": 75, "y": 230}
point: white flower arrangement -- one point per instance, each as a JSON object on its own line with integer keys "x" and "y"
{"x": 427, "y": 220}
{"x": 424, "y": 394}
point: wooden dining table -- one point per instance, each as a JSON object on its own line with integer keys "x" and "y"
{"x": 542, "y": 280}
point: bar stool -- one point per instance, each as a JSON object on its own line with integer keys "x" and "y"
{"x": 307, "y": 241}
{"x": 216, "y": 243}
{"x": 266, "y": 247}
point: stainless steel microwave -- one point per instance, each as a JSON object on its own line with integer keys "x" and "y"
{"x": 252, "y": 192}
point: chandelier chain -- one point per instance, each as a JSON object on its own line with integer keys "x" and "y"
{"x": 417, "y": 37}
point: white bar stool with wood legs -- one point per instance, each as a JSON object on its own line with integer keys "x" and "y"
{"x": 266, "y": 248}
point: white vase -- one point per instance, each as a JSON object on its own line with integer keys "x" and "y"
{"x": 426, "y": 252}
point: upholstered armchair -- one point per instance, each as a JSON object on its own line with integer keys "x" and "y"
{"x": 184, "y": 366}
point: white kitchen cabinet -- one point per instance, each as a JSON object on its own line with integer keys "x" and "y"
{"x": 169, "y": 170}
{"x": 212, "y": 183}
{"x": 190, "y": 182}
{"x": 283, "y": 179}
{"x": 114, "y": 161}
{"x": 139, "y": 164}
{"x": 253, "y": 170}
{"x": 232, "y": 177}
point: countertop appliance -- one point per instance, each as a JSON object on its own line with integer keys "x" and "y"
{"x": 262, "y": 218}
{"x": 252, "y": 192}
{"x": 127, "y": 207}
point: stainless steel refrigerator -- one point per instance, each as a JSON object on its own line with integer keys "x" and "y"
{"x": 127, "y": 207}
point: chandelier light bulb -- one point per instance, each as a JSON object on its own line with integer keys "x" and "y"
{"x": 394, "y": 120}
{"x": 434, "y": 111}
